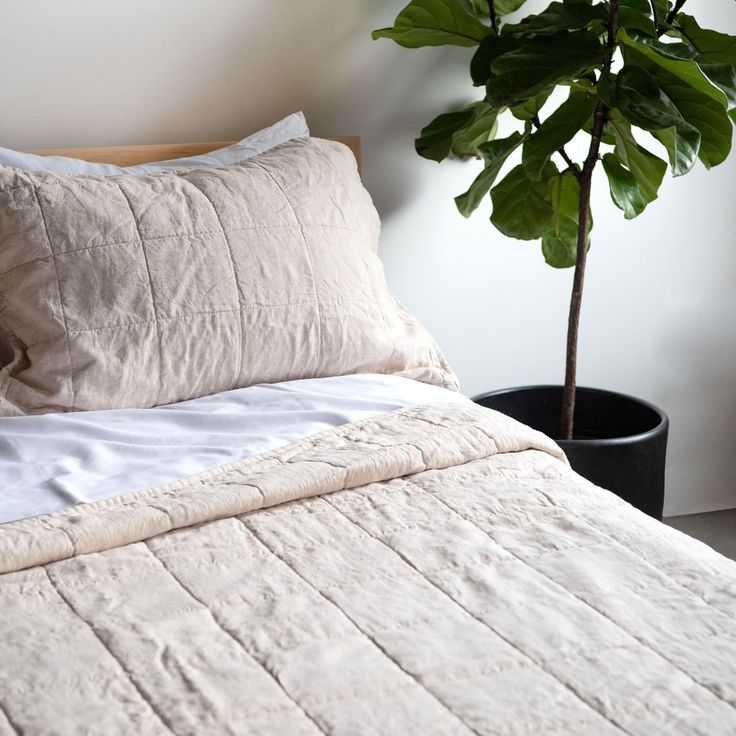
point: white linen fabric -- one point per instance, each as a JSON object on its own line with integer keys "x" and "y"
{"x": 52, "y": 461}
{"x": 435, "y": 570}
{"x": 292, "y": 126}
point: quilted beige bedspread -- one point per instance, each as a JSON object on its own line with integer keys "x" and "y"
{"x": 438, "y": 570}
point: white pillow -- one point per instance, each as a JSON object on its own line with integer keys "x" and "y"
{"x": 293, "y": 126}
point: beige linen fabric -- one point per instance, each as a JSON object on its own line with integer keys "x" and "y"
{"x": 437, "y": 570}
{"x": 135, "y": 291}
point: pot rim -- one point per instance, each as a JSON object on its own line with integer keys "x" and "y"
{"x": 661, "y": 426}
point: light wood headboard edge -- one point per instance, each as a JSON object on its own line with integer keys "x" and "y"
{"x": 133, "y": 155}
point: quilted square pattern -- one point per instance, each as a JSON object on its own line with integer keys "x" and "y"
{"x": 89, "y": 293}
{"x": 317, "y": 590}
{"x": 136, "y": 291}
{"x": 82, "y": 227}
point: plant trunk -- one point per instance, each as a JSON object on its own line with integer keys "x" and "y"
{"x": 576, "y": 300}
{"x": 586, "y": 181}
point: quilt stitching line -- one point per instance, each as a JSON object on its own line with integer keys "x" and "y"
{"x": 643, "y": 559}
{"x": 197, "y": 234}
{"x": 641, "y": 641}
{"x": 72, "y": 387}
{"x": 159, "y": 333}
{"x": 351, "y": 694}
{"x": 395, "y": 529}
{"x": 368, "y": 636}
{"x": 239, "y": 296}
{"x": 232, "y": 636}
{"x": 26, "y": 263}
{"x": 123, "y": 669}
{"x": 550, "y": 551}
{"x": 362, "y": 235}
{"x": 562, "y": 729}
{"x": 189, "y": 315}
{"x": 481, "y": 670}
{"x": 306, "y": 250}
{"x": 483, "y": 623}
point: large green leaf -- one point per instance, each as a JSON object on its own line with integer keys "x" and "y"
{"x": 678, "y": 58}
{"x": 436, "y": 139}
{"x": 625, "y": 191}
{"x": 561, "y": 17}
{"x": 530, "y": 109}
{"x": 481, "y": 129}
{"x": 521, "y": 207}
{"x": 560, "y": 241}
{"x": 648, "y": 169}
{"x": 632, "y": 20}
{"x": 660, "y": 9}
{"x": 540, "y": 63}
{"x": 636, "y": 15}
{"x": 695, "y": 97}
{"x": 559, "y": 128}
{"x": 638, "y": 96}
{"x": 434, "y": 23}
{"x": 494, "y": 154}
{"x": 641, "y": 6}
{"x": 491, "y": 48}
{"x": 706, "y": 115}
{"x": 504, "y": 7}
{"x": 713, "y": 46}
{"x": 675, "y": 61}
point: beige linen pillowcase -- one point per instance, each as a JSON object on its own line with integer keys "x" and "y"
{"x": 137, "y": 291}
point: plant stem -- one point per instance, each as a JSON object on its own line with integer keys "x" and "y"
{"x": 671, "y": 16}
{"x": 572, "y": 166}
{"x": 574, "y": 170}
{"x": 586, "y": 180}
{"x": 492, "y": 14}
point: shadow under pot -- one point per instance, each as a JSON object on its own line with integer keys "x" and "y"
{"x": 620, "y": 442}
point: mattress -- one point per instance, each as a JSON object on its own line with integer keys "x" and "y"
{"x": 52, "y": 461}
{"x": 435, "y": 569}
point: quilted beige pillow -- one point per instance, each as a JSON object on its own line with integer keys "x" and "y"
{"x": 135, "y": 291}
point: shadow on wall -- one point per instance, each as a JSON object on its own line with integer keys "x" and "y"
{"x": 386, "y": 94}
{"x": 162, "y": 72}
{"x": 287, "y": 62}
{"x": 388, "y": 139}
{"x": 126, "y": 73}
{"x": 700, "y": 393}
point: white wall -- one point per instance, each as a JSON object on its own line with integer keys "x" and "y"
{"x": 659, "y": 318}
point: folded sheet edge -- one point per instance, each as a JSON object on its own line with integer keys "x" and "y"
{"x": 380, "y": 448}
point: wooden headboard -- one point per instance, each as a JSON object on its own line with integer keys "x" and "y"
{"x": 132, "y": 155}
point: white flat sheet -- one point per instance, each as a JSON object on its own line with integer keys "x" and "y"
{"x": 53, "y": 461}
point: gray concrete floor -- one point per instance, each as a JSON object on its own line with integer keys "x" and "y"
{"x": 716, "y": 528}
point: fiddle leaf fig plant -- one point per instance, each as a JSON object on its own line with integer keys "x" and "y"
{"x": 626, "y": 68}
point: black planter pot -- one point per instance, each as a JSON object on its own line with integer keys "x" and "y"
{"x": 620, "y": 442}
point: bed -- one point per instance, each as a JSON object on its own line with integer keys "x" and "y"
{"x": 366, "y": 552}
